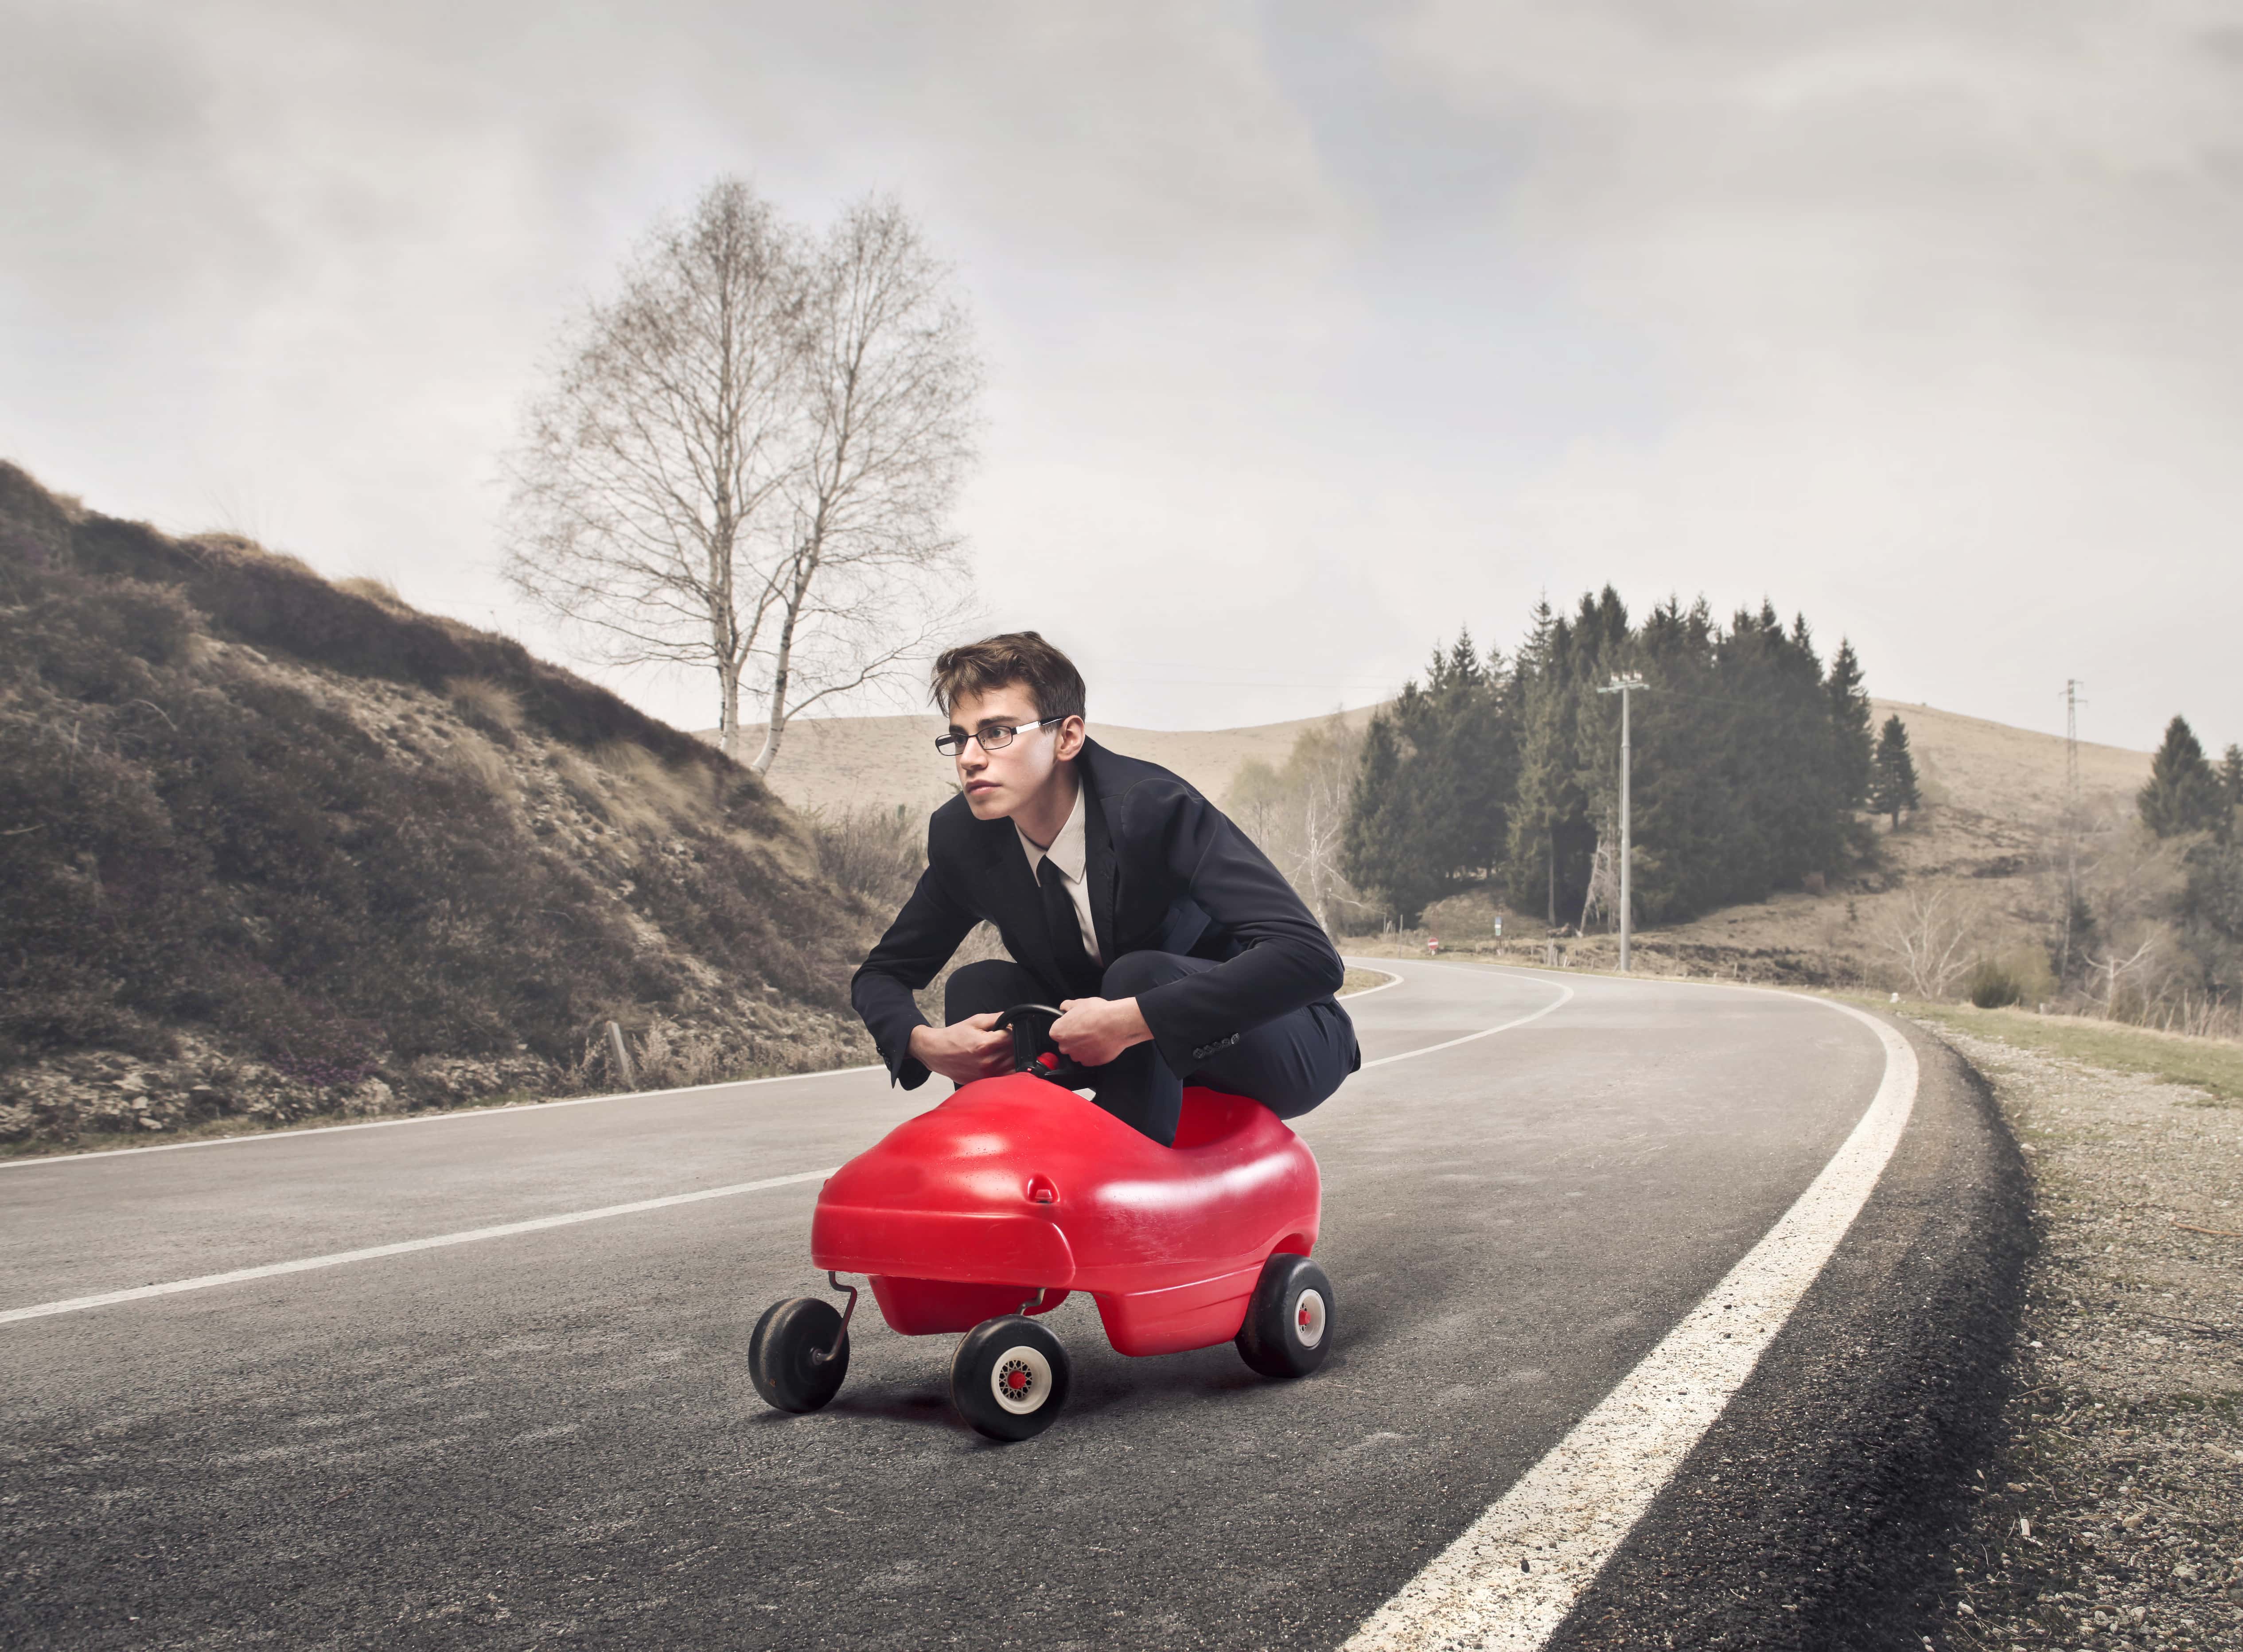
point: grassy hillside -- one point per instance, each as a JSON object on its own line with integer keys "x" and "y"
{"x": 1991, "y": 796}
{"x": 270, "y": 847}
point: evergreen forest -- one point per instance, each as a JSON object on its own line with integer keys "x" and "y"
{"x": 1750, "y": 759}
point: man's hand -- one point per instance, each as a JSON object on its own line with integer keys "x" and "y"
{"x": 1095, "y": 1030}
{"x": 974, "y": 1048}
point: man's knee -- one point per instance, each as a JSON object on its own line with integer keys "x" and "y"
{"x": 1138, "y": 971}
{"x": 980, "y": 988}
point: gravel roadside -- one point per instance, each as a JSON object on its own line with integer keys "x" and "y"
{"x": 2117, "y": 1521}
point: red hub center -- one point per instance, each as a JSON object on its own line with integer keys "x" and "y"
{"x": 1304, "y": 1318}
{"x": 1017, "y": 1381}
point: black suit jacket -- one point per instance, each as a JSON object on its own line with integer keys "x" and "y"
{"x": 1168, "y": 872}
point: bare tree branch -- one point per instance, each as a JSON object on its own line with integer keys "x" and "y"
{"x": 745, "y": 460}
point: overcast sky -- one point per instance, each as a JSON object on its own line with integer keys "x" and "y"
{"x": 1313, "y": 331}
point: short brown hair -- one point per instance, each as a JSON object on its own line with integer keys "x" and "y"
{"x": 1015, "y": 656}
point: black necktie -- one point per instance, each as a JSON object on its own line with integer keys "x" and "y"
{"x": 1078, "y": 973}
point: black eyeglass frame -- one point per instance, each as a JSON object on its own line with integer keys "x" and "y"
{"x": 954, "y": 744}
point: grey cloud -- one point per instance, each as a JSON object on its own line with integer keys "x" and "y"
{"x": 1316, "y": 331}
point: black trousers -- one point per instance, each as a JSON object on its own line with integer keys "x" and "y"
{"x": 1288, "y": 1064}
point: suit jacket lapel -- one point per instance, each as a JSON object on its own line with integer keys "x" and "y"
{"x": 1098, "y": 866}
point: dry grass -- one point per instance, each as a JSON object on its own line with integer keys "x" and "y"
{"x": 380, "y": 592}
{"x": 644, "y": 796}
{"x": 484, "y": 704}
{"x": 2214, "y": 1065}
{"x": 481, "y": 762}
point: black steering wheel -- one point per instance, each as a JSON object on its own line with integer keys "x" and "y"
{"x": 1033, "y": 1049}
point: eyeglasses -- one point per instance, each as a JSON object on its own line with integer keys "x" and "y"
{"x": 994, "y": 736}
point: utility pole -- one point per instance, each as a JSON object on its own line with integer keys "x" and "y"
{"x": 1624, "y": 686}
{"x": 2071, "y": 704}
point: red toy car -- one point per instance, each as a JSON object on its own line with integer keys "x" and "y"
{"x": 996, "y": 1205}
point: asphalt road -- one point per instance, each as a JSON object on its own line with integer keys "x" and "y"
{"x": 551, "y": 1438}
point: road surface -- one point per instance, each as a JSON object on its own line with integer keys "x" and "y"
{"x": 548, "y": 1437}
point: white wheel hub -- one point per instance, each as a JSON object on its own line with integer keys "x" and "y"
{"x": 1022, "y": 1378}
{"x": 1309, "y": 1317}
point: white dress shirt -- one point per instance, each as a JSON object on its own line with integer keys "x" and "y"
{"x": 1068, "y": 852}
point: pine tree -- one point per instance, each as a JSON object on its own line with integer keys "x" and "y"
{"x": 1747, "y": 762}
{"x": 2230, "y": 784}
{"x": 2183, "y": 794}
{"x": 1430, "y": 810}
{"x": 1892, "y": 782}
{"x": 1849, "y": 725}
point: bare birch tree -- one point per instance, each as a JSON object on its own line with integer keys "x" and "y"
{"x": 744, "y": 462}
{"x": 1927, "y": 933}
{"x": 871, "y": 572}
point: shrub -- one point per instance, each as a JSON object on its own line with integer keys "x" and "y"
{"x": 490, "y": 707}
{"x": 874, "y": 853}
{"x": 2021, "y": 975}
{"x": 1991, "y": 986}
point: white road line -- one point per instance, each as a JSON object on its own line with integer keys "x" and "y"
{"x": 305, "y": 1264}
{"x": 1509, "y": 1581}
{"x": 1565, "y": 996}
{"x": 448, "y": 1117}
{"x": 1392, "y": 979}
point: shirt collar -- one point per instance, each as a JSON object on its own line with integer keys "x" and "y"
{"x": 1068, "y": 850}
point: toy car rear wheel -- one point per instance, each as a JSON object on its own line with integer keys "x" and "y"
{"x": 1289, "y": 1322}
{"x": 787, "y": 1355}
{"x": 1010, "y": 1378}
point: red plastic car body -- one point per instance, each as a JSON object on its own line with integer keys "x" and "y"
{"x": 1014, "y": 1187}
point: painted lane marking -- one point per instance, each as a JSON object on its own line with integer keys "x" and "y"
{"x": 1565, "y": 996}
{"x": 448, "y": 1117}
{"x": 305, "y": 1264}
{"x": 206, "y": 1281}
{"x": 1515, "y": 1574}
{"x": 1393, "y": 978}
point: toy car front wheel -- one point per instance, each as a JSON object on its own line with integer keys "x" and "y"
{"x": 1289, "y": 1322}
{"x": 787, "y": 1355}
{"x": 1010, "y": 1378}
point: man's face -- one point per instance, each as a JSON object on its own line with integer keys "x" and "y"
{"x": 997, "y": 784}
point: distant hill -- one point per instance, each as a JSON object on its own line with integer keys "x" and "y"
{"x": 1987, "y": 831}
{"x": 1990, "y": 795}
{"x": 1990, "y": 790}
{"x": 1987, "y": 785}
{"x": 270, "y": 847}
{"x": 844, "y": 762}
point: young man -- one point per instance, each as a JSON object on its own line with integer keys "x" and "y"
{"x": 1178, "y": 953}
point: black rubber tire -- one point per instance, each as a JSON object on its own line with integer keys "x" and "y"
{"x": 787, "y": 1356}
{"x": 1013, "y": 1348}
{"x": 1289, "y": 1322}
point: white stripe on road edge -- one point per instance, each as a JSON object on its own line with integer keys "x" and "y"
{"x": 306, "y": 1263}
{"x": 1565, "y": 996}
{"x": 448, "y": 1117}
{"x": 1392, "y": 980}
{"x": 1509, "y": 1581}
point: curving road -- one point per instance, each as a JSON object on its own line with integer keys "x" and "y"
{"x": 549, "y": 1437}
